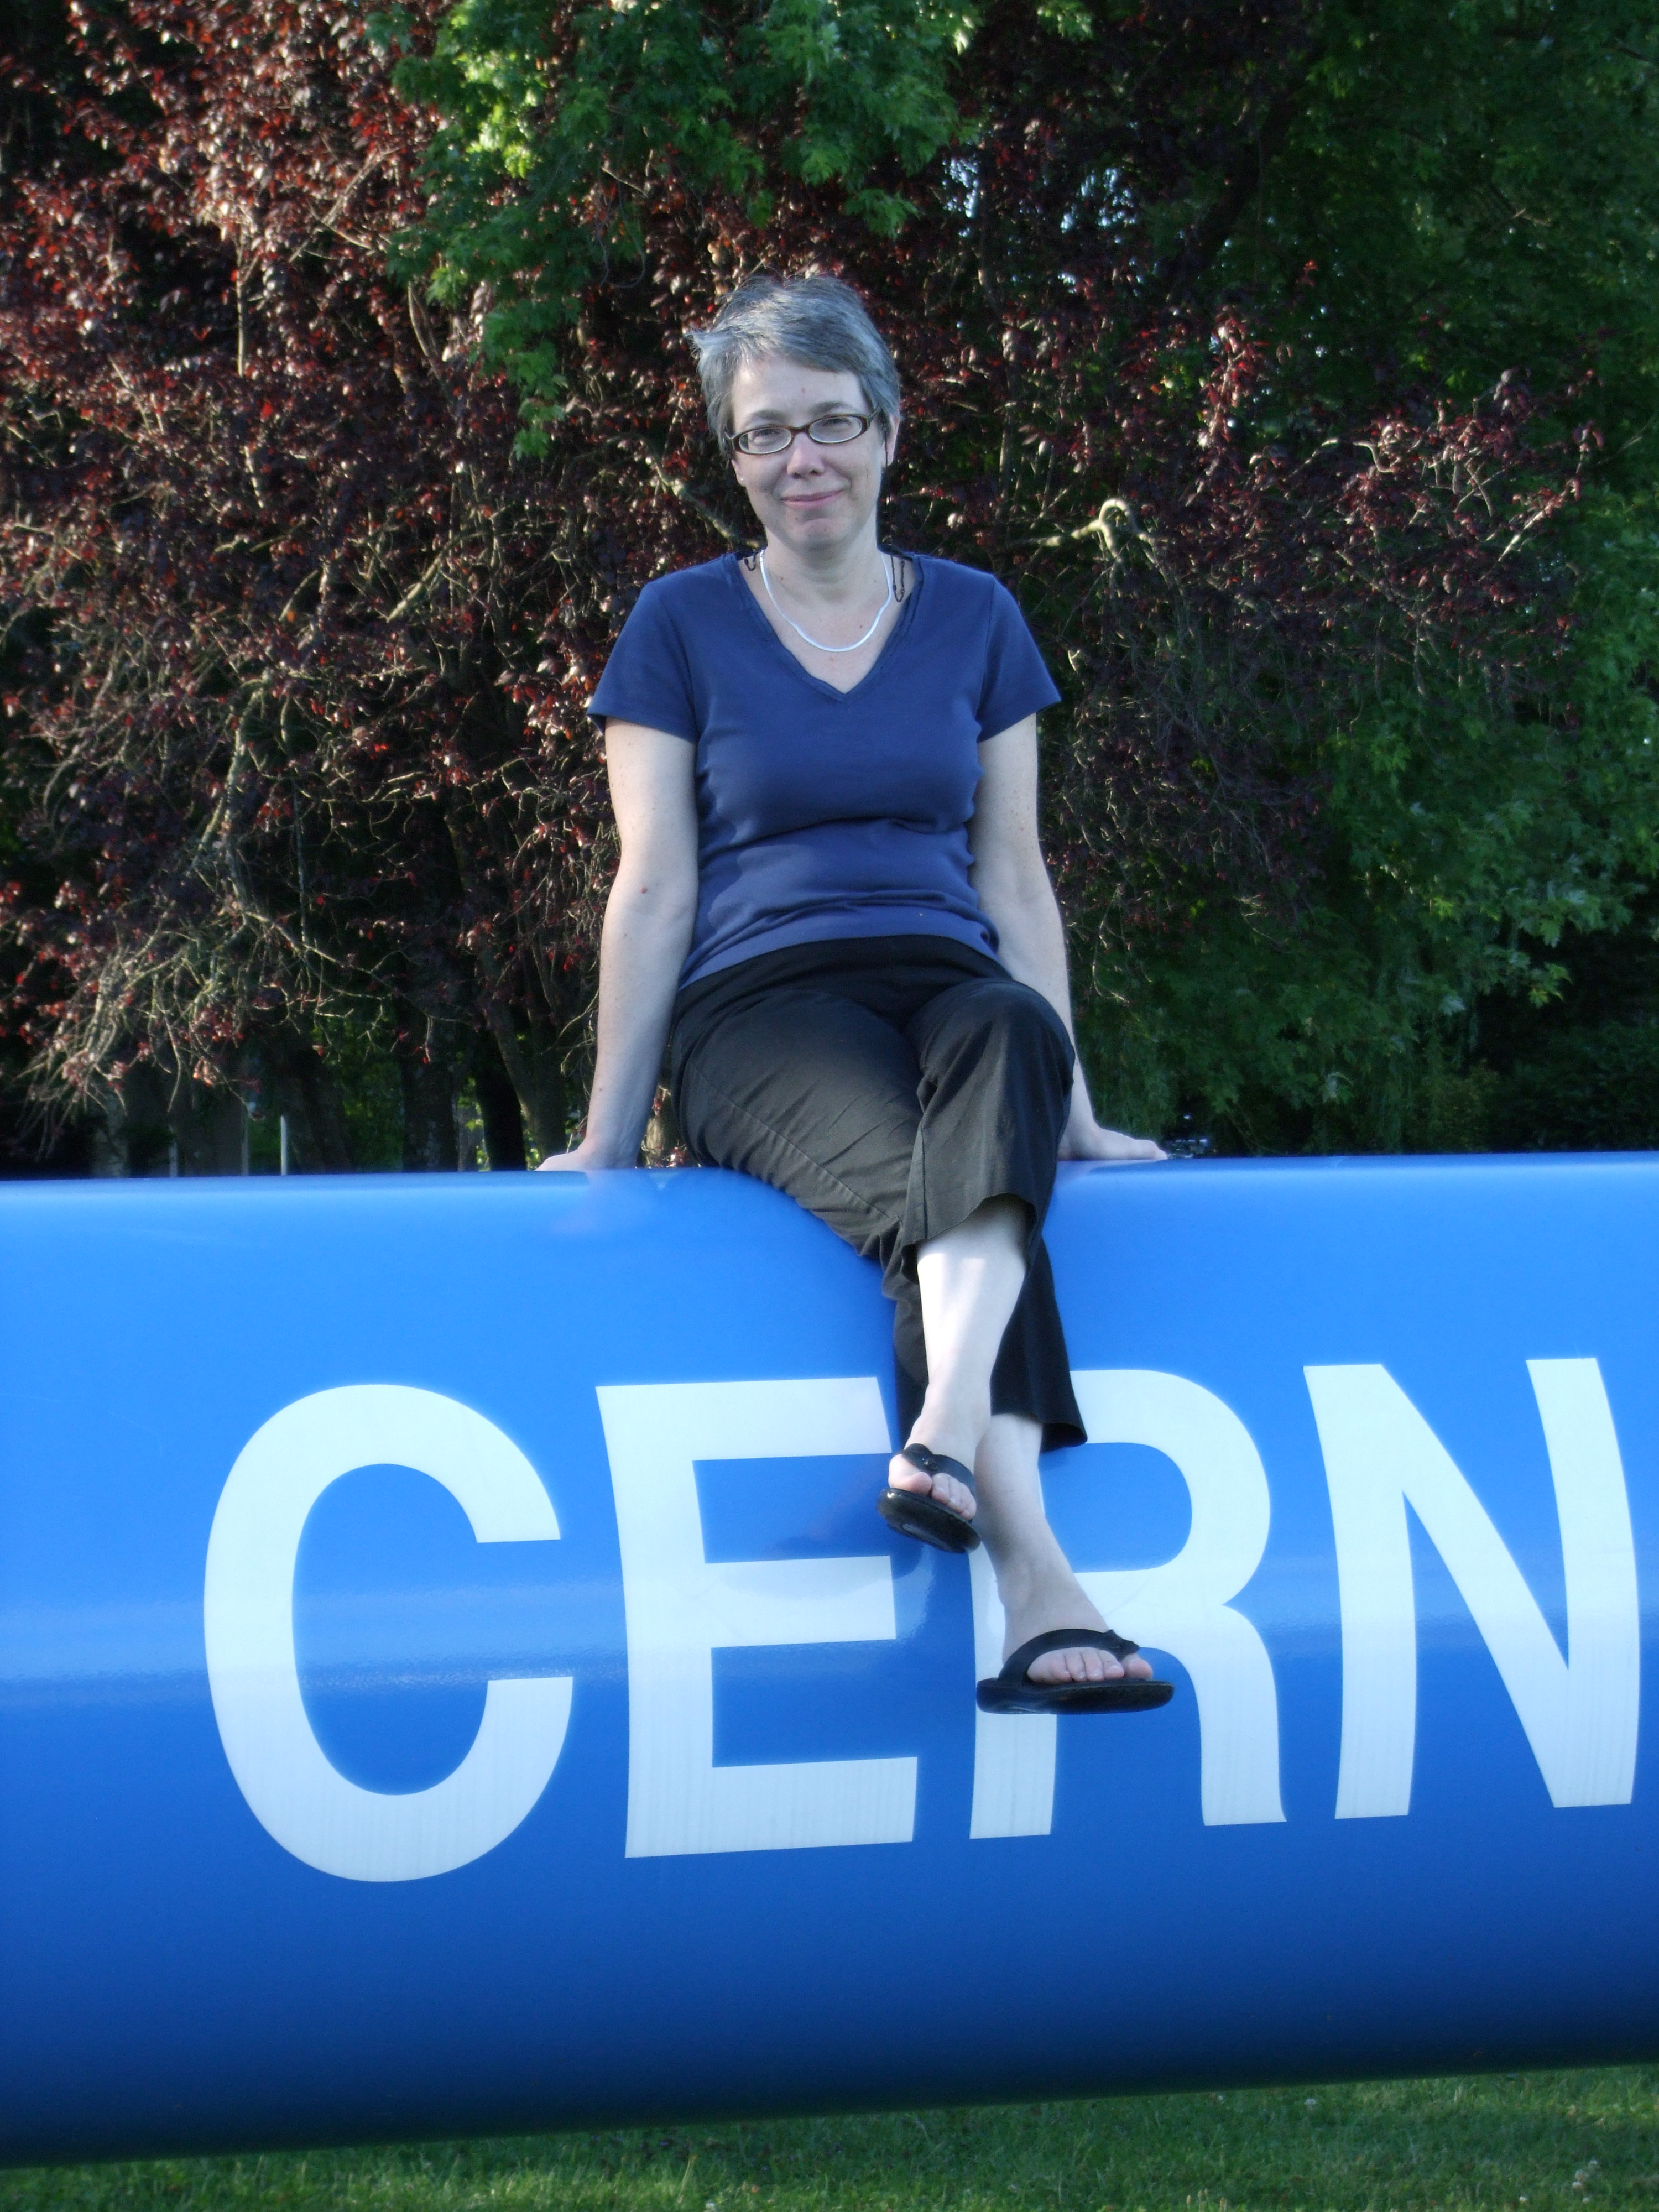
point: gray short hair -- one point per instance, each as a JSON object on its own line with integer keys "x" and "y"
{"x": 815, "y": 320}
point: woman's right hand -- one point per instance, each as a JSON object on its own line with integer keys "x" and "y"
{"x": 580, "y": 1158}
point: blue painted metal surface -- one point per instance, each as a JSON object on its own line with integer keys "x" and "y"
{"x": 341, "y": 1798}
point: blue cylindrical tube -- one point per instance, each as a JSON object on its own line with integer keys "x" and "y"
{"x": 453, "y": 1676}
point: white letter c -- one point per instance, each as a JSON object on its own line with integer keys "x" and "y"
{"x": 305, "y": 1803}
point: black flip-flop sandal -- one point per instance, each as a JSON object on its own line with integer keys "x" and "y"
{"x": 1012, "y": 1691}
{"x": 913, "y": 1513}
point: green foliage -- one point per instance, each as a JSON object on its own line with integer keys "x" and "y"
{"x": 1471, "y": 835}
{"x": 1423, "y": 193}
{"x": 1586, "y": 1090}
{"x": 1357, "y": 758}
{"x": 555, "y": 124}
{"x": 1466, "y": 189}
{"x": 1314, "y": 862}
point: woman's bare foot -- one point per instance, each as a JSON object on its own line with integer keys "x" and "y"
{"x": 1056, "y": 1600}
{"x": 904, "y": 1474}
{"x": 1035, "y": 1581}
{"x": 952, "y": 1430}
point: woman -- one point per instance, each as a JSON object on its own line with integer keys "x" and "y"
{"x": 832, "y": 906}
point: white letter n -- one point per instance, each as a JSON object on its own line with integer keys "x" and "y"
{"x": 1580, "y": 1713}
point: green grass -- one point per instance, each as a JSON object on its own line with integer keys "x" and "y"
{"x": 1550, "y": 2142}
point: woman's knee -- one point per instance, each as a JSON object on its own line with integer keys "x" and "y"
{"x": 995, "y": 1017}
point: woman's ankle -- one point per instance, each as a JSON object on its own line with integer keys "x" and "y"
{"x": 947, "y": 1424}
{"x": 1042, "y": 1581}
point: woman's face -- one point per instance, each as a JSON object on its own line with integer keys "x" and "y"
{"x": 813, "y": 497}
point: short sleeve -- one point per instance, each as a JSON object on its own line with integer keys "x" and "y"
{"x": 1016, "y": 681}
{"x": 648, "y": 679}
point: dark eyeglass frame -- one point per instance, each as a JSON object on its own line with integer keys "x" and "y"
{"x": 735, "y": 443}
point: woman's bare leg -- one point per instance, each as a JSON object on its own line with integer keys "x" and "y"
{"x": 970, "y": 1280}
{"x": 1034, "y": 1578}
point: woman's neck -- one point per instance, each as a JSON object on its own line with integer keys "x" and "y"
{"x": 829, "y": 575}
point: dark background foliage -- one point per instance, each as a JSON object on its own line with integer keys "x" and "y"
{"x": 1295, "y": 364}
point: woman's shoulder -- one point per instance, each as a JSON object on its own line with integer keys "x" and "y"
{"x": 977, "y": 626}
{"x": 971, "y": 607}
{"x": 652, "y": 670}
{"x": 689, "y": 591}
{"x": 955, "y": 584}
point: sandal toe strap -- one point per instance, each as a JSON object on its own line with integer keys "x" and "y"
{"x": 933, "y": 1463}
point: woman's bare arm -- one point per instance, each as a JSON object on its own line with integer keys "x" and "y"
{"x": 1012, "y": 879}
{"x": 649, "y": 920}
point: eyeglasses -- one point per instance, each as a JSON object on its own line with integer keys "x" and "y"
{"x": 773, "y": 438}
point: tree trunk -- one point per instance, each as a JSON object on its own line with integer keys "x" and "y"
{"x": 549, "y": 1107}
{"x": 210, "y": 1128}
{"x": 299, "y": 1083}
{"x": 176, "y": 1125}
{"x": 139, "y": 1135}
{"x": 530, "y": 1057}
{"x": 498, "y": 1106}
{"x": 428, "y": 1088}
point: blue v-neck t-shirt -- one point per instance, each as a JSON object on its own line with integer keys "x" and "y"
{"x": 821, "y": 813}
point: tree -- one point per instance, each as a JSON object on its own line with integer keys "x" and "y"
{"x": 1423, "y": 195}
{"x": 1463, "y": 190}
{"x": 1356, "y": 726}
{"x": 297, "y": 661}
{"x": 1342, "y": 757}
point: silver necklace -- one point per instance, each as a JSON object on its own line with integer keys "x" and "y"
{"x": 813, "y": 641}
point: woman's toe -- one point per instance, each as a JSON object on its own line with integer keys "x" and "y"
{"x": 1079, "y": 1664}
{"x": 1085, "y": 1662}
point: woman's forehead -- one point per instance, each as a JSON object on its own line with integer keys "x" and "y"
{"x": 775, "y": 385}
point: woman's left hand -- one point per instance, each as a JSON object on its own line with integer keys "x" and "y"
{"x": 1085, "y": 1140}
